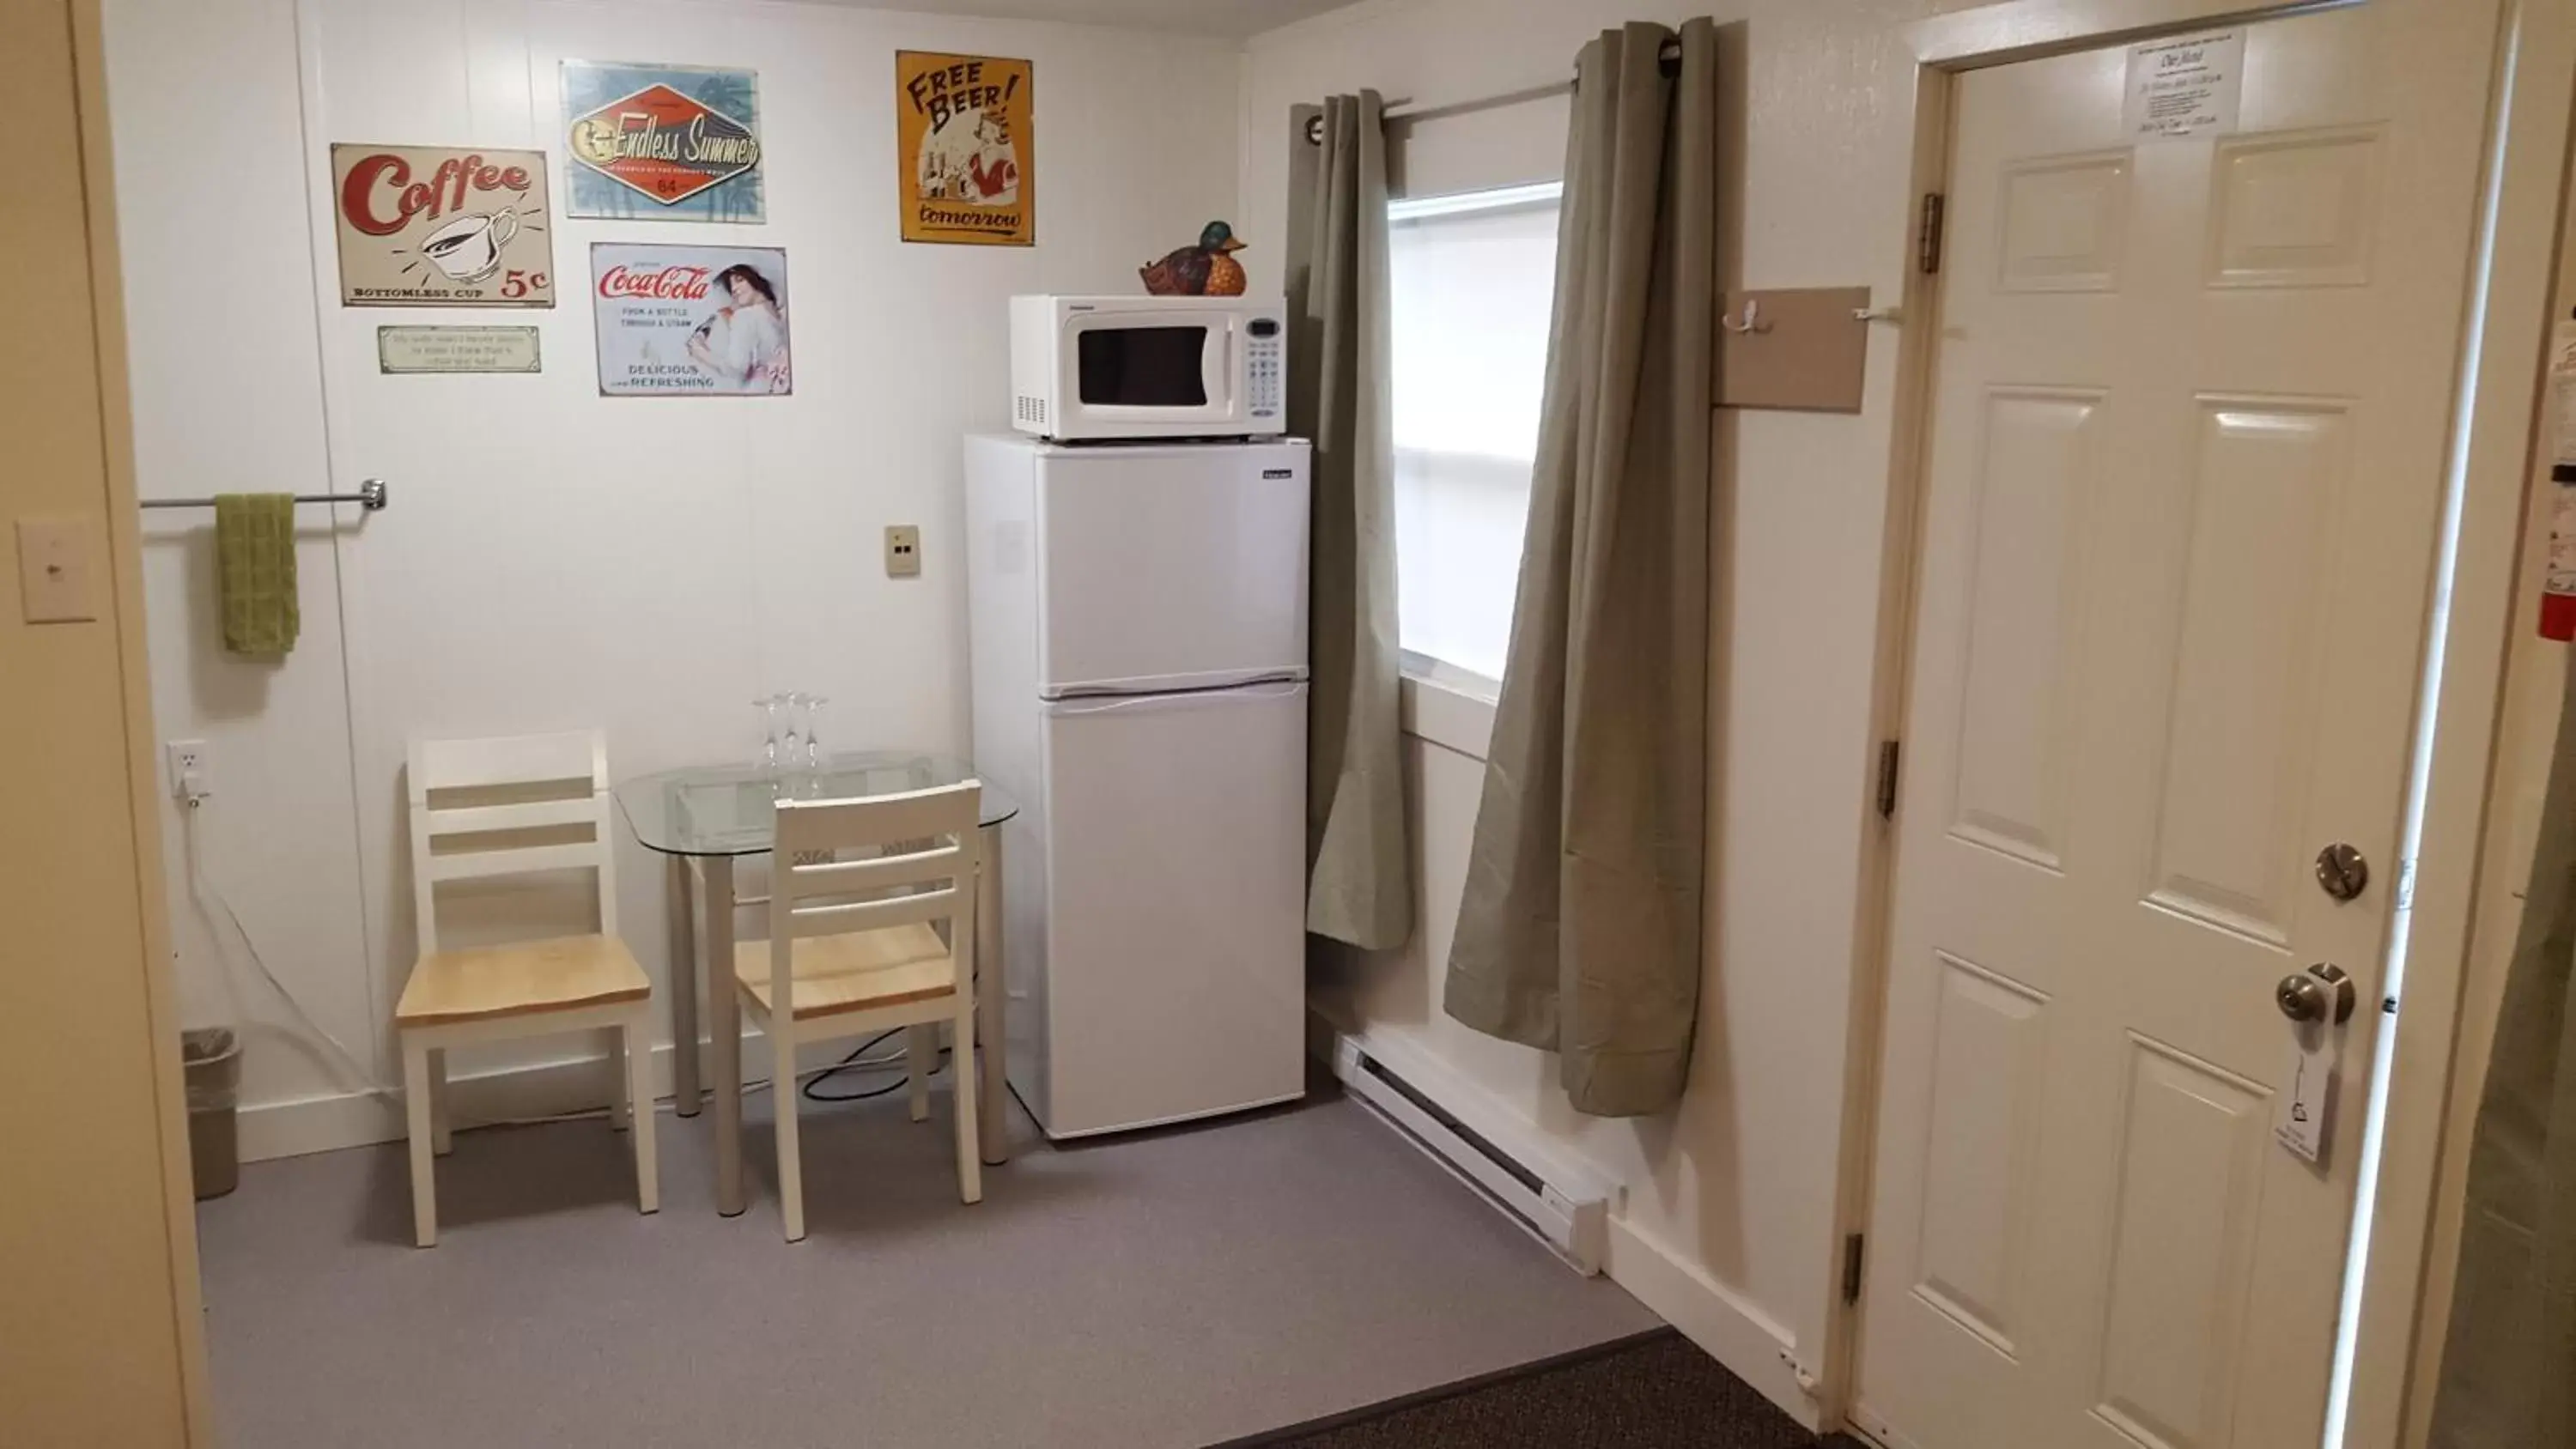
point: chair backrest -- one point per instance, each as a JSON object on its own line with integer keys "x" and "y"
{"x": 508, "y": 807}
{"x": 928, "y": 848}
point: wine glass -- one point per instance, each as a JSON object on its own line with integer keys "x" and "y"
{"x": 814, "y": 731}
{"x": 773, "y": 750}
{"x": 793, "y": 705}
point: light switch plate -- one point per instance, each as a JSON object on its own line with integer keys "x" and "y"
{"x": 903, "y": 551}
{"x": 55, "y": 570}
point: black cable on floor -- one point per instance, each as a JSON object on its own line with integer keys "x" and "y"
{"x": 850, "y": 1061}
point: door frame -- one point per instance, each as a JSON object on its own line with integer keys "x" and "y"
{"x": 2496, "y": 406}
{"x": 137, "y": 790}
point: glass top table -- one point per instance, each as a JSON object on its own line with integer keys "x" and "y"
{"x": 708, "y": 810}
{"x": 701, "y": 818}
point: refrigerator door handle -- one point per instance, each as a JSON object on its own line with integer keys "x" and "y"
{"x": 1106, "y": 704}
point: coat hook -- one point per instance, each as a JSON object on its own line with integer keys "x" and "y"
{"x": 1752, "y": 321}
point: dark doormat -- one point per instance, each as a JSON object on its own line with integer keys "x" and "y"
{"x": 1653, "y": 1390}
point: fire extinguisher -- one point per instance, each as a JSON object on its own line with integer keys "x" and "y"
{"x": 2558, "y": 585}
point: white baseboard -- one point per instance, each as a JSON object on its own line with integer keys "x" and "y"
{"x": 357, "y": 1119}
{"x": 1714, "y": 1316}
{"x": 545, "y": 1089}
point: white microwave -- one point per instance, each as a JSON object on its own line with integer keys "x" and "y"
{"x": 1094, "y": 369}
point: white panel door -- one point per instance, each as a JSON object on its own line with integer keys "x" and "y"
{"x": 2183, "y": 484}
{"x": 1173, "y": 567}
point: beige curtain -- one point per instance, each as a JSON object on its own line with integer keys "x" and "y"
{"x": 1580, "y": 929}
{"x": 2509, "y": 1369}
{"x": 1358, "y": 889}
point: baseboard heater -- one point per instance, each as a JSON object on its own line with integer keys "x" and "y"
{"x": 1569, "y": 1215}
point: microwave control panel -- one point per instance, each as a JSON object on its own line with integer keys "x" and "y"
{"x": 1266, "y": 367}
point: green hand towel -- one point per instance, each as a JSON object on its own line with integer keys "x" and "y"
{"x": 255, "y": 558}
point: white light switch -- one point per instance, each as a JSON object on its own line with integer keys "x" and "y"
{"x": 55, "y": 568}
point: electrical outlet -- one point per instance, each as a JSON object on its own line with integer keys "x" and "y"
{"x": 903, "y": 551}
{"x": 191, "y": 779}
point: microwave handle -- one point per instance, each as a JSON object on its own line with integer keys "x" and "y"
{"x": 1222, "y": 385}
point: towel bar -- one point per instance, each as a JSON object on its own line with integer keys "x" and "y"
{"x": 370, "y": 496}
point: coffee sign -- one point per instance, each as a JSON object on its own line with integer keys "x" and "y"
{"x": 430, "y": 226}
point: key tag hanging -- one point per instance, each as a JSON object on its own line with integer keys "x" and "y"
{"x": 2558, "y": 591}
{"x": 2319, "y": 1003}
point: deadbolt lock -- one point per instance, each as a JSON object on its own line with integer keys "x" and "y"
{"x": 2342, "y": 871}
{"x": 2321, "y": 993}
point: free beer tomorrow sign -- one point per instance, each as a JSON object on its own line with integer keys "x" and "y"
{"x": 432, "y": 226}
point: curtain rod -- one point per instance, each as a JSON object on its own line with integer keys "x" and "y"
{"x": 370, "y": 496}
{"x": 1668, "y": 59}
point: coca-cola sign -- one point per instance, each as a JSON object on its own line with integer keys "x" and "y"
{"x": 429, "y": 226}
{"x": 685, "y": 283}
{"x": 678, "y": 320}
{"x": 662, "y": 141}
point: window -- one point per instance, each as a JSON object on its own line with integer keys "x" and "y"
{"x": 1474, "y": 282}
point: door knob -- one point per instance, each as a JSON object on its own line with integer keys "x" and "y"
{"x": 2321, "y": 993}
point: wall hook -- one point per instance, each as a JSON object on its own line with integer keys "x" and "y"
{"x": 1752, "y": 320}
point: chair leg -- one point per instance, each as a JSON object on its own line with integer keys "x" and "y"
{"x": 635, "y": 1040}
{"x": 416, "y": 1114}
{"x": 961, "y": 1082}
{"x": 441, "y": 1140}
{"x": 921, "y": 1058}
{"x": 620, "y": 1105}
{"x": 783, "y": 1095}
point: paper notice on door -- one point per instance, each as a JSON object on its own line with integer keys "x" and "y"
{"x": 2562, "y": 393}
{"x": 2185, "y": 86}
{"x": 2303, "y": 1116}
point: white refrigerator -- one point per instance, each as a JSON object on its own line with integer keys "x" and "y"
{"x": 1138, "y": 622}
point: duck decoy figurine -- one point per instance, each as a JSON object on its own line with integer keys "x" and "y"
{"x": 1205, "y": 270}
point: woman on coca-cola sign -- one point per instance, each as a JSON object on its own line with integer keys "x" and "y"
{"x": 744, "y": 343}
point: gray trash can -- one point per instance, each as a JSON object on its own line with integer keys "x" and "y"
{"x": 212, "y": 1056}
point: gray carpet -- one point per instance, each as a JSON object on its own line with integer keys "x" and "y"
{"x": 1174, "y": 1289}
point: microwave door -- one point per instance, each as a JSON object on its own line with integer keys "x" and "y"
{"x": 1162, "y": 367}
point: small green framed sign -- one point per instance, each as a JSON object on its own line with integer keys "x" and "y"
{"x": 406, "y": 349}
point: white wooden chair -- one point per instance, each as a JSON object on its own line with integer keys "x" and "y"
{"x": 537, "y": 803}
{"x": 852, "y": 951}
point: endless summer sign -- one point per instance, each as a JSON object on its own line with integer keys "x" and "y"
{"x": 425, "y": 226}
{"x": 670, "y": 142}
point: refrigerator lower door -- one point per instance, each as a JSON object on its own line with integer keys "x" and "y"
{"x": 1175, "y": 909}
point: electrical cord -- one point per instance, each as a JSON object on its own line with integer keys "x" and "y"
{"x": 851, "y": 1063}
{"x": 200, "y": 888}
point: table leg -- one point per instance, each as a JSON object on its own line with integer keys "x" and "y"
{"x": 993, "y": 1124}
{"x": 684, "y": 990}
{"x": 724, "y": 1021}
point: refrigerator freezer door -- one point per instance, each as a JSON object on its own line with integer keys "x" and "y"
{"x": 1170, "y": 568}
{"x": 1175, "y": 840}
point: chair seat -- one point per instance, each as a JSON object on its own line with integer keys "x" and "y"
{"x": 853, "y": 971}
{"x": 524, "y": 978}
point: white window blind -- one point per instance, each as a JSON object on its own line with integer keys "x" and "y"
{"x": 1474, "y": 281}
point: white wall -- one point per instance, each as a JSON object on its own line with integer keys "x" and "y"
{"x": 555, "y": 559}
{"x": 1730, "y": 1224}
